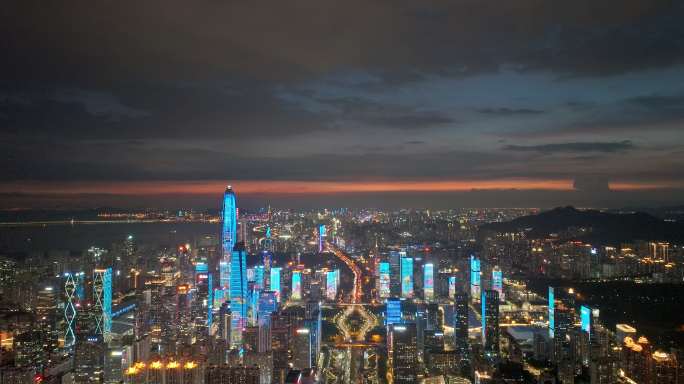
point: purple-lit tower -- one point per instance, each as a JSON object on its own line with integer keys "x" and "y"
{"x": 228, "y": 235}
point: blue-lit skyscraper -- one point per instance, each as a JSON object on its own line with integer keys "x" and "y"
{"x": 428, "y": 281}
{"x": 102, "y": 292}
{"x": 452, "y": 286}
{"x": 497, "y": 282}
{"x": 407, "y": 277}
{"x": 392, "y": 311}
{"x": 224, "y": 274}
{"x": 296, "y": 285}
{"x": 474, "y": 277}
{"x": 229, "y": 224}
{"x": 238, "y": 294}
{"x": 70, "y": 286}
{"x": 384, "y": 279}
{"x": 490, "y": 323}
{"x": 321, "y": 237}
{"x": 275, "y": 281}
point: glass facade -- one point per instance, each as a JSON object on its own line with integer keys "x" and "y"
{"x": 428, "y": 281}
{"x": 406, "y": 277}
{"x": 384, "y": 277}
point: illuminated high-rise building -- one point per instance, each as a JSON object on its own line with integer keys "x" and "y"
{"x": 102, "y": 293}
{"x": 407, "y": 277}
{"x": 461, "y": 301}
{"x": 428, "y": 281}
{"x": 331, "y": 284}
{"x": 452, "y": 286}
{"x": 70, "y": 302}
{"x": 275, "y": 281}
{"x": 229, "y": 225}
{"x": 321, "y": 237}
{"x": 238, "y": 294}
{"x": 474, "y": 277}
{"x": 402, "y": 346}
{"x": 395, "y": 273}
{"x": 224, "y": 274}
{"x": 490, "y": 323}
{"x": 383, "y": 280}
{"x": 393, "y": 311}
{"x": 296, "y": 285}
{"x": 497, "y": 282}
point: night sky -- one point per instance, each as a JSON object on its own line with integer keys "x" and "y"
{"x": 342, "y": 103}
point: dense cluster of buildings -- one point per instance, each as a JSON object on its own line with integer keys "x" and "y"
{"x": 330, "y": 296}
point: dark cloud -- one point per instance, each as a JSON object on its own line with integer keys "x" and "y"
{"x": 509, "y": 111}
{"x": 607, "y": 147}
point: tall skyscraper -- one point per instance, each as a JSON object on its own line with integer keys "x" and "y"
{"x": 395, "y": 273}
{"x": 497, "y": 281}
{"x": 70, "y": 302}
{"x": 392, "y": 311}
{"x": 275, "y": 281}
{"x": 474, "y": 277}
{"x": 383, "y": 280}
{"x": 238, "y": 294}
{"x": 102, "y": 293}
{"x": 229, "y": 224}
{"x": 461, "y": 325}
{"x": 407, "y": 277}
{"x": 403, "y": 352}
{"x": 428, "y": 281}
{"x": 296, "y": 285}
{"x": 490, "y": 323}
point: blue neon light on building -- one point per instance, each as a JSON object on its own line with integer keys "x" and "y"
{"x": 585, "y": 319}
{"x": 497, "y": 281}
{"x": 102, "y": 291}
{"x": 275, "y": 281}
{"x": 238, "y": 295}
{"x": 296, "y": 285}
{"x": 452, "y": 286}
{"x": 229, "y": 225}
{"x": 321, "y": 236}
{"x": 384, "y": 277}
{"x": 428, "y": 281}
{"x": 259, "y": 277}
{"x": 224, "y": 274}
{"x": 331, "y": 284}
{"x": 483, "y": 316}
{"x": 267, "y": 305}
{"x": 407, "y": 277}
{"x": 552, "y": 312}
{"x": 393, "y": 311}
{"x": 474, "y": 277}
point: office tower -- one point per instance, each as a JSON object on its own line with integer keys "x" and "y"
{"x": 321, "y": 237}
{"x": 434, "y": 317}
{"x": 497, "y": 282}
{"x": 229, "y": 224}
{"x": 267, "y": 306}
{"x": 403, "y": 352}
{"x": 296, "y": 285}
{"x": 490, "y": 323}
{"x": 332, "y": 282}
{"x": 433, "y": 340}
{"x": 275, "y": 281}
{"x": 70, "y": 302}
{"x": 102, "y": 293}
{"x": 452, "y": 286}
{"x": 238, "y": 294}
{"x": 89, "y": 359}
{"x": 395, "y": 273}
{"x": 267, "y": 259}
{"x": 461, "y": 325}
{"x": 407, "y": 277}
{"x": 202, "y": 307}
{"x": 428, "y": 281}
{"x": 474, "y": 277}
{"x": 393, "y": 311}
{"x": 384, "y": 280}
{"x": 303, "y": 351}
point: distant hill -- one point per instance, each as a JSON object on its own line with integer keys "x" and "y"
{"x": 601, "y": 227}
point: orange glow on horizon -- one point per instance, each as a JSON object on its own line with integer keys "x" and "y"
{"x": 256, "y": 187}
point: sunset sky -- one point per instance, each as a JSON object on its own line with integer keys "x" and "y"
{"x": 367, "y": 103}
